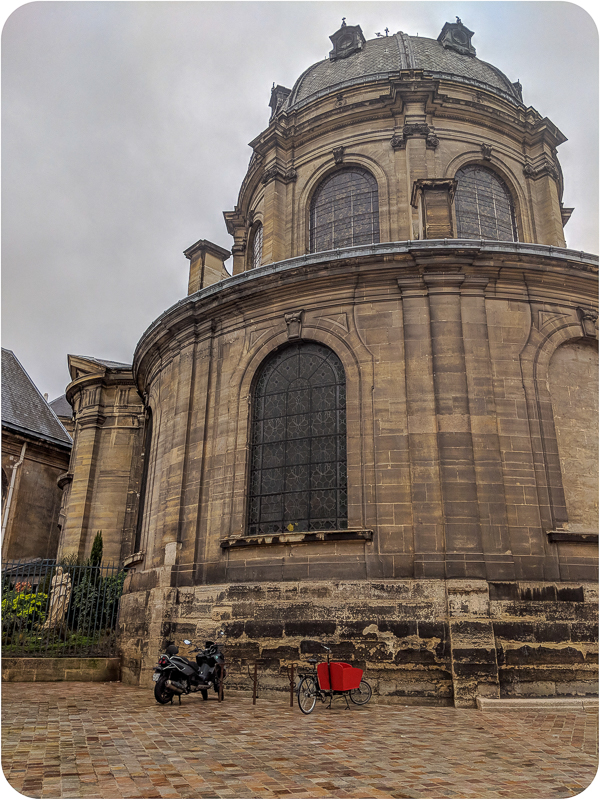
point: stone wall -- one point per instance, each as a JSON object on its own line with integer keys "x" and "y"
{"x": 452, "y": 462}
{"x": 419, "y": 641}
{"x": 32, "y": 530}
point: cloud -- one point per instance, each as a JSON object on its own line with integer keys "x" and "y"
{"x": 125, "y": 137}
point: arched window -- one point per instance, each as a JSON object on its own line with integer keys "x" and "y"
{"x": 344, "y": 211}
{"x": 257, "y": 246}
{"x": 484, "y": 206}
{"x": 298, "y": 455}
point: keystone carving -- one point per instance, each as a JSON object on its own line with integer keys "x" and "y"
{"x": 293, "y": 320}
{"x": 486, "y": 152}
{"x": 588, "y": 317}
{"x": 338, "y": 154}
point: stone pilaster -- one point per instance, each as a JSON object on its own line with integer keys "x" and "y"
{"x": 464, "y": 550}
{"x": 192, "y": 491}
{"x": 84, "y": 462}
{"x": 484, "y": 433}
{"x": 180, "y": 381}
{"x": 422, "y": 438}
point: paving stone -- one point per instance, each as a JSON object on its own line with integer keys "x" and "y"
{"x": 114, "y": 741}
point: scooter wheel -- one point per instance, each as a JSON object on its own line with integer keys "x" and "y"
{"x": 162, "y": 693}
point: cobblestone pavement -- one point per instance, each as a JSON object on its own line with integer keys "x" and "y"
{"x": 112, "y": 741}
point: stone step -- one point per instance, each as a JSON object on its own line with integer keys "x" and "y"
{"x": 538, "y": 704}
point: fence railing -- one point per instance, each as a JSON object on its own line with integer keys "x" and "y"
{"x": 60, "y": 609}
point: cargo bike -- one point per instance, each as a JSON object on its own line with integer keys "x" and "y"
{"x": 329, "y": 679}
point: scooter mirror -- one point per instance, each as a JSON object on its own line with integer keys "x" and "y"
{"x": 186, "y": 641}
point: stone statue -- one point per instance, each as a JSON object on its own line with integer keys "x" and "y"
{"x": 60, "y": 594}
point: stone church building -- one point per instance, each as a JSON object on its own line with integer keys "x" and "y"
{"x": 381, "y": 431}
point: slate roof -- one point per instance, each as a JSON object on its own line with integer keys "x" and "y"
{"x": 61, "y": 406}
{"x": 24, "y": 408}
{"x": 382, "y": 57}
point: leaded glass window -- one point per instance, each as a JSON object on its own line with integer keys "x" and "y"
{"x": 344, "y": 211}
{"x": 484, "y": 206}
{"x": 298, "y": 443}
{"x": 257, "y": 246}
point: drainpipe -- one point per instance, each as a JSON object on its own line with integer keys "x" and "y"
{"x": 10, "y": 493}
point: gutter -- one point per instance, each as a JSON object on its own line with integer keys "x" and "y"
{"x": 10, "y": 493}
{"x": 36, "y": 436}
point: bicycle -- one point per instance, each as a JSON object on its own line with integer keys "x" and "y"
{"x": 329, "y": 679}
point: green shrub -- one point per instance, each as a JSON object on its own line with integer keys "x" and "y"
{"x": 24, "y": 609}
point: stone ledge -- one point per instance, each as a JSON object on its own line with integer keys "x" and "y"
{"x": 538, "y": 704}
{"x": 300, "y": 537}
{"x": 61, "y": 669}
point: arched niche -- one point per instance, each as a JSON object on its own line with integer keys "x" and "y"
{"x": 573, "y": 387}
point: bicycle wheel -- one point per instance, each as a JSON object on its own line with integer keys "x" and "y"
{"x": 307, "y": 695}
{"x": 361, "y": 695}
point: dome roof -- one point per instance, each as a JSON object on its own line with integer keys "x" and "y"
{"x": 384, "y": 57}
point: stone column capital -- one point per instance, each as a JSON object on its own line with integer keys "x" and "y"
{"x": 443, "y": 282}
{"x": 412, "y": 286}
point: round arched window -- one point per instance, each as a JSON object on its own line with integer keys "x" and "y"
{"x": 344, "y": 211}
{"x": 484, "y": 206}
{"x": 298, "y": 446}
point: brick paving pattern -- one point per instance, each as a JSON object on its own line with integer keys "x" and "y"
{"x": 114, "y": 741}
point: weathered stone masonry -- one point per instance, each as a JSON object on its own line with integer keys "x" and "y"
{"x": 465, "y": 562}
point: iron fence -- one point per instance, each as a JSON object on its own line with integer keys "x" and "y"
{"x": 58, "y": 609}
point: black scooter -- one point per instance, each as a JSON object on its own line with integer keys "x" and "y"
{"x": 176, "y": 675}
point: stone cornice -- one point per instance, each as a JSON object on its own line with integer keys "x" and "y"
{"x": 99, "y": 379}
{"x": 512, "y": 258}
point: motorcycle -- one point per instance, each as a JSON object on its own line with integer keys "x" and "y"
{"x": 177, "y": 675}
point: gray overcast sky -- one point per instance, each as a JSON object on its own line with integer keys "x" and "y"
{"x": 125, "y": 133}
